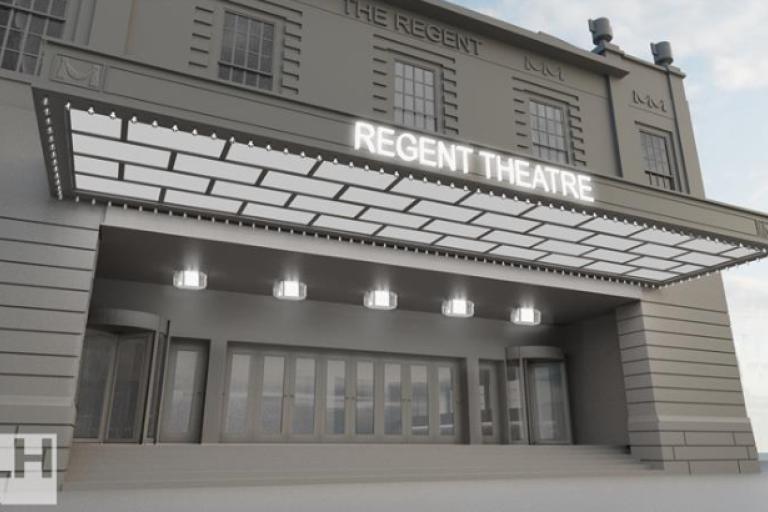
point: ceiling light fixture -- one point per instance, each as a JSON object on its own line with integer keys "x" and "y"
{"x": 290, "y": 289}
{"x": 458, "y": 308}
{"x": 380, "y": 299}
{"x": 526, "y": 315}
{"x": 190, "y": 280}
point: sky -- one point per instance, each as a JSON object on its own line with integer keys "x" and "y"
{"x": 723, "y": 49}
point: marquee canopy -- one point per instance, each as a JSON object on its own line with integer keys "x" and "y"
{"x": 130, "y": 158}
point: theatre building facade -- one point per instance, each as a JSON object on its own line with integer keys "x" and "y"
{"x": 251, "y": 241}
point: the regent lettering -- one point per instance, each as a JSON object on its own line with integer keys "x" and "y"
{"x": 381, "y": 16}
{"x": 438, "y": 154}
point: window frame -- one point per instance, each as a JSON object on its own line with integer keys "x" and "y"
{"x": 30, "y": 12}
{"x": 436, "y": 71}
{"x": 675, "y": 174}
{"x": 563, "y": 108}
{"x": 277, "y": 44}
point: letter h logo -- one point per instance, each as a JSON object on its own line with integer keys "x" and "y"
{"x": 28, "y": 469}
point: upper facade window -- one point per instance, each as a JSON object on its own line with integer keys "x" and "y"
{"x": 656, "y": 161}
{"x": 548, "y": 132}
{"x": 247, "y": 51}
{"x": 415, "y": 97}
{"x": 23, "y": 23}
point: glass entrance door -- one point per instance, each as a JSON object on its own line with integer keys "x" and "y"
{"x": 185, "y": 390}
{"x": 112, "y": 387}
{"x": 281, "y": 395}
{"x": 548, "y": 405}
{"x": 537, "y": 402}
{"x": 489, "y": 402}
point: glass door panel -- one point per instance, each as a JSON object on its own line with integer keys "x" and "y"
{"x": 303, "y": 413}
{"x": 335, "y": 397}
{"x": 419, "y": 401}
{"x": 488, "y": 403}
{"x": 364, "y": 403}
{"x": 549, "y": 417}
{"x": 124, "y": 423}
{"x": 183, "y": 403}
{"x": 92, "y": 392}
{"x": 515, "y": 406}
{"x": 272, "y": 395}
{"x": 393, "y": 396}
{"x": 446, "y": 401}
{"x": 238, "y": 413}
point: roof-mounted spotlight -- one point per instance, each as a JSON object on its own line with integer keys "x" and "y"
{"x": 380, "y": 299}
{"x": 190, "y": 280}
{"x": 526, "y": 315}
{"x": 662, "y": 53}
{"x": 602, "y": 32}
{"x": 290, "y": 289}
{"x": 458, "y": 308}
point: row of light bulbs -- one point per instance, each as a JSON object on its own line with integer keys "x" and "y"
{"x": 379, "y": 299}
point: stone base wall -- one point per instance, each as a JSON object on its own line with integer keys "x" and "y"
{"x": 685, "y": 402}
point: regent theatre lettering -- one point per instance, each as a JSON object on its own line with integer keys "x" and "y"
{"x": 431, "y": 152}
{"x": 412, "y": 26}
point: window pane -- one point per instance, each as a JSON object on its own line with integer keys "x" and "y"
{"x": 59, "y": 8}
{"x": 41, "y": 5}
{"x": 37, "y": 25}
{"x": 227, "y": 45}
{"x": 55, "y": 28}
{"x": 419, "y": 401}
{"x": 304, "y": 397}
{"x": 272, "y": 395}
{"x": 32, "y": 45}
{"x": 335, "y": 394}
{"x": 237, "y": 397}
{"x": 14, "y": 40}
{"x": 445, "y": 400}
{"x": 10, "y": 59}
{"x": 393, "y": 412}
{"x": 364, "y": 402}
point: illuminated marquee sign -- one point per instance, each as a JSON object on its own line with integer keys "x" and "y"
{"x": 431, "y": 152}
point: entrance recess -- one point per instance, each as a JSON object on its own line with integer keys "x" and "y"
{"x": 278, "y": 395}
{"x": 537, "y": 396}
